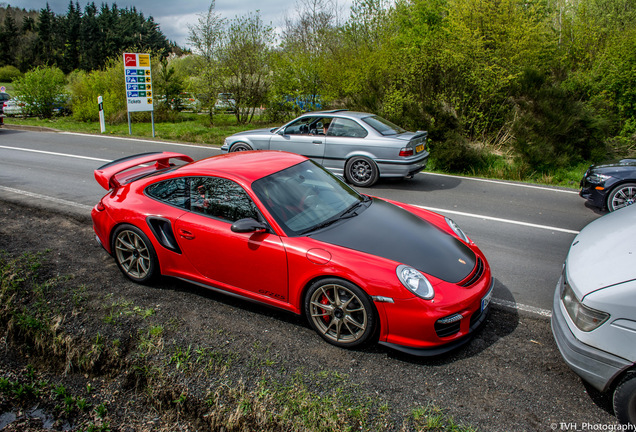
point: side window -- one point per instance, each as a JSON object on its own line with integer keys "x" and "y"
{"x": 301, "y": 126}
{"x": 346, "y": 128}
{"x": 220, "y": 198}
{"x": 174, "y": 192}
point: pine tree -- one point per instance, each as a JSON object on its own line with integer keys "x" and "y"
{"x": 8, "y": 40}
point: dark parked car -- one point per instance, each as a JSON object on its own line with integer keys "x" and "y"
{"x": 610, "y": 186}
{"x": 359, "y": 146}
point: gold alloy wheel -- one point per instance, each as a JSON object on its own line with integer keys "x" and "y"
{"x": 133, "y": 254}
{"x": 338, "y": 314}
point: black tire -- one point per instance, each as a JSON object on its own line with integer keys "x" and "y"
{"x": 240, "y": 146}
{"x": 625, "y": 400}
{"x": 134, "y": 254}
{"x": 361, "y": 171}
{"x": 340, "y": 312}
{"x": 621, "y": 196}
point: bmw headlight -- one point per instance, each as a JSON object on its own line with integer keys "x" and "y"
{"x": 415, "y": 282}
{"x": 457, "y": 230}
{"x": 597, "y": 178}
{"x": 585, "y": 318}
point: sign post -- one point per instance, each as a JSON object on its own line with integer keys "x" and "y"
{"x": 138, "y": 86}
{"x": 100, "y": 105}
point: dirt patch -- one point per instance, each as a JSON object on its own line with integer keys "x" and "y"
{"x": 174, "y": 356}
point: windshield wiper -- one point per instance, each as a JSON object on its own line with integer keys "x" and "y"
{"x": 348, "y": 213}
{"x": 321, "y": 225}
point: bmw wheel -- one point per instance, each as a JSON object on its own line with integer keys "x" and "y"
{"x": 240, "y": 147}
{"x": 621, "y": 196}
{"x": 340, "y": 312}
{"x": 135, "y": 254}
{"x": 361, "y": 171}
{"x": 625, "y": 400}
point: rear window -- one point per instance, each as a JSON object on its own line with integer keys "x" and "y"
{"x": 383, "y": 126}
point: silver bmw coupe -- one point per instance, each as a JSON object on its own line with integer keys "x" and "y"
{"x": 361, "y": 147}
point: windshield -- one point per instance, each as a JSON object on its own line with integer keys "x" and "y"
{"x": 305, "y": 197}
{"x": 383, "y": 126}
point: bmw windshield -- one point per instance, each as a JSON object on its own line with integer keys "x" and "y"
{"x": 306, "y": 198}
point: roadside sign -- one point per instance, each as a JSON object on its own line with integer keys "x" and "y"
{"x": 138, "y": 82}
{"x": 3, "y": 89}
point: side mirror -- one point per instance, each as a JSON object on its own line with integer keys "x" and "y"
{"x": 248, "y": 225}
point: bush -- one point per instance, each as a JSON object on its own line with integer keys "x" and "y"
{"x": 42, "y": 90}
{"x": 455, "y": 154}
{"x": 553, "y": 129}
{"x": 108, "y": 83}
{"x": 9, "y": 73}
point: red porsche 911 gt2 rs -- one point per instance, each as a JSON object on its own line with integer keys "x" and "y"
{"x": 277, "y": 228}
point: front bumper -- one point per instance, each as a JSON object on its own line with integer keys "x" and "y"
{"x": 594, "y": 196}
{"x": 597, "y": 367}
{"x": 474, "y": 317}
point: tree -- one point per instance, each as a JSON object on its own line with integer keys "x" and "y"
{"x": 244, "y": 63}
{"x": 42, "y": 90}
{"x": 45, "y": 31}
{"x": 72, "y": 25}
{"x": 301, "y": 63}
{"x": 9, "y": 38}
{"x": 90, "y": 40}
{"x": 206, "y": 38}
{"x": 168, "y": 84}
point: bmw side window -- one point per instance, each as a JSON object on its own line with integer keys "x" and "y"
{"x": 174, "y": 192}
{"x": 300, "y": 127}
{"x": 220, "y": 198}
{"x": 346, "y": 128}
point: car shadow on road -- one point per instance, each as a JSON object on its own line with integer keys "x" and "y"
{"x": 419, "y": 183}
{"x": 596, "y": 210}
{"x": 500, "y": 322}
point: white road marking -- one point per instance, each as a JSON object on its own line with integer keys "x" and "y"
{"x": 142, "y": 140}
{"x": 56, "y": 154}
{"x": 527, "y": 186}
{"x": 47, "y": 198}
{"x": 516, "y": 306}
{"x": 494, "y": 219}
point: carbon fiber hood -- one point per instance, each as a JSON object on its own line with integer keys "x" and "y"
{"x": 391, "y": 232}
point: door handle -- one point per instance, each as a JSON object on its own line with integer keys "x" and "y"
{"x": 317, "y": 142}
{"x": 186, "y": 234}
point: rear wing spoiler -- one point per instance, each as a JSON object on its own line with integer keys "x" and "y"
{"x": 106, "y": 175}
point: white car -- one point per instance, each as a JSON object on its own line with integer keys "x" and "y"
{"x": 14, "y": 107}
{"x": 594, "y": 311}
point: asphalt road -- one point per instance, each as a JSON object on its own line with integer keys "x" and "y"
{"x": 524, "y": 230}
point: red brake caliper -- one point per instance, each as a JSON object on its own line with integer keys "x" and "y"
{"x": 325, "y": 301}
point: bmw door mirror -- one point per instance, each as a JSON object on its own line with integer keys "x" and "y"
{"x": 248, "y": 225}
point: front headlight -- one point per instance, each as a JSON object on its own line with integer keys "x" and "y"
{"x": 598, "y": 178}
{"x": 457, "y": 230}
{"x": 415, "y": 282}
{"x": 585, "y": 318}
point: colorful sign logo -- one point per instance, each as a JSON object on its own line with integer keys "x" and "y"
{"x": 130, "y": 60}
{"x": 138, "y": 82}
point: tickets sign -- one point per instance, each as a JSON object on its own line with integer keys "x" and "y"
{"x": 138, "y": 82}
